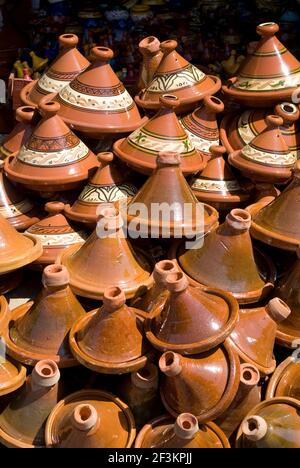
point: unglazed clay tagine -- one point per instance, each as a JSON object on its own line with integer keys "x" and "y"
{"x": 40, "y": 330}
{"x": 184, "y": 433}
{"x": 254, "y": 335}
{"x": 90, "y": 419}
{"x": 227, "y": 261}
{"x": 69, "y": 63}
{"x": 108, "y": 185}
{"x": 177, "y": 76}
{"x": 273, "y": 423}
{"x": 12, "y": 374}
{"x": 152, "y": 55}
{"x": 96, "y": 102}
{"x": 269, "y": 75}
{"x": 285, "y": 382}
{"x": 162, "y": 133}
{"x": 54, "y": 158}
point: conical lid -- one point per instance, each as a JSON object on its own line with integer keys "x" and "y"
{"x": 186, "y": 380}
{"x": 177, "y": 76}
{"x": 162, "y": 133}
{"x": 108, "y": 245}
{"x": 96, "y": 102}
{"x": 90, "y": 419}
{"x": 285, "y": 382}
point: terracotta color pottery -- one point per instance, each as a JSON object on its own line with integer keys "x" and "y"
{"x": 254, "y": 335}
{"x": 193, "y": 320}
{"x": 227, "y": 261}
{"x": 110, "y": 340}
{"x": 96, "y": 102}
{"x": 270, "y": 75}
{"x": 12, "y": 374}
{"x": 152, "y": 56}
{"x": 184, "y": 433}
{"x": 90, "y": 419}
{"x": 177, "y": 76}
{"x": 201, "y": 125}
{"x": 217, "y": 185}
{"x": 184, "y": 386}
{"x": 285, "y": 382}
{"x": 22, "y": 422}
{"x": 69, "y": 63}
{"x": 162, "y": 133}
{"x": 272, "y": 424}
{"x": 108, "y": 185}
{"x": 40, "y": 330}
{"x": 54, "y": 158}
{"x": 4, "y": 314}
{"x": 106, "y": 259}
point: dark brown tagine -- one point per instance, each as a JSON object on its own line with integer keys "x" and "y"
{"x": 285, "y": 382}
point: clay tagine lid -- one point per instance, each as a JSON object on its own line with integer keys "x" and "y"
{"x": 152, "y": 54}
{"x": 193, "y": 320}
{"x": 96, "y": 102}
{"x": 269, "y": 75}
{"x": 12, "y": 375}
{"x": 40, "y": 329}
{"x": 177, "y": 76}
{"x": 108, "y": 185}
{"x": 227, "y": 261}
{"x": 184, "y": 433}
{"x": 186, "y": 379}
{"x": 162, "y": 133}
{"x": 90, "y": 419}
{"x": 254, "y": 335}
{"x": 69, "y": 63}
{"x": 108, "y": 245}
{"x": 285, "y": 382}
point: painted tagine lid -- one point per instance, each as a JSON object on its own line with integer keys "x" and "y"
{"x": 40, "y": 330}
{"x": 254, "y": 335}
{"x": 54, "y": 158}
{"x": 96, "y": 102}
{"x": 88, "y": 264}
{"x": 110, "y": 340}
{"x": 152, "y": 54}
{"x": 269, "y": 75}
{"x": 285, "y": 382}
{"x": 186, "y": 380}
{"x": 193, "y": 320}
{"x": 184, "y": 433}
{"x": 177, "y": 76}
{"x": 227, "y": 261}
{"x": 271, "y": 424}
{"x": 108, "y": 185}
{"x": 69, "y": 63}
{"x": 162, "y": 133}
{"x": 90, "y": 419}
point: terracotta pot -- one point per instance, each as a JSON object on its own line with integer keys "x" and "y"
{"x": 4, "y": 314}
{"x": 177, "y": 76}
{"x": 54, "y": 158}
{"x": 12, "y": 374}
{"x": 184, "y": 386}
{"x": 269, "y": 75}
{"x": 184, "y": 433}
{"x": 285, "y": 382}
{"x": 272, "y": 424}
{"x": 162, "y": 133}
{"x": 254, "y": 335}
{"x": 152, "y": 56}
{"x": 228, "y": 261}
{"x": 69, "y": 63}
{"x": 90, "y": 419}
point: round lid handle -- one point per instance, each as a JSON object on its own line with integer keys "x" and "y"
{"x": 45, "y": 373}
{"x": 168, "y": 158}
{"x": 177, "y": 282}
{"x": 105, "y": 157}
{"x": 162, "y": 269}
{"x": 25, "y": 114}
{"x": 146, "y": 378}
{"x": 217, "y": 151}
{"x": 85, "y": 417}
{"x": 169, "y": 101}
{"x": 250, "y": 375}
{"x": 278, "y": 309}
{"x": 169, "y": 364}
{"x": 254, "y": 428}
{"x": 49, "y": 108}
{"x": 239, "y": 219}
{"x": 168, "y": 46}
{"x": 68, "y": 40}
{"x": 288, "y": 112}
{"x": 186, "y": 426}
{"x": 214, "y": 104}
{"x": 267, "y": 29}
{"x": 54, "y": 207}
{"x": 104, "y": 54}
{"x": 113, "y": 298}
{"x": 274, "y": 121}
{"x": 149, "y": 45}
{"x": 55, "y": 276}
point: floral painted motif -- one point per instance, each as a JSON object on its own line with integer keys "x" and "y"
{"x": 272, "y": 159}
{"x": 177, "y": 80}
{"x": 107, "y": 193}
{"x": 216, "y": 185}
{"x": 57, "y": 158}
{"x": 153, "y": 143}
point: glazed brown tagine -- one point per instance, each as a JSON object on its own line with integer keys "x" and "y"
{"x": 4, "y": 314}
{"x": 285, "y": 382}
{"x": 90, "y": 419}
{"x": 184, "y": 433}
{"x": 22, "y": 422}
{"x": 54, "y": 158}
{"x": 96, "y": 102}
{"x": 192, "y": 320}
{"x": 152, "y": 55}
{"x": 40, "y": 329}
{"x": 270, "y": 75}
{"x": 107, "y": 258}
{"x": 228, "y": 261}
{"x": 271, "y": 424}
{"x": 177, "y": 76}
{"x": 12, "y": 374}
{"x": 267, "y": 158}
{"x": 254, "y": 335}
{"x": 186, "y": 379}
{"x": 107, "y": 185}
{"x": 217, "y": 185}
{"x": 69, "y": 63}
{"x": 162, "y": 133}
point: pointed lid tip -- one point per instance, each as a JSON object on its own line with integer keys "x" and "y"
{"x": 105, "y": 157}
{"x": 239, "y": 219}
{"x": 146, "y": 378}
{"x": 45, "y": 373}
{"x": 274, "y": 121}
{"x": 254, "y": 428}
{"x": 55, "y": 276}
{"x": 113, "y": 298}
{"x": 288, "y": 112}
{"x": 267, "y": 29}
{"x": 55, "y": 207}
{"x": 214, "y": 104}
{"x": 49, "y": 108}
{"x": 250, "y": 375}
{"x": 25, "y": 113}
{"x": 278, "y": 309}
{"x": 168, "y": 158}
{"x": 150, "y": 44}
{"x": 169, "y": 101}
{"x": 217, "y": 150}
{"x": 186, "y": 426}
{"x": 162, "y": 269}
{"x": 169, "y": 364}
{"x": 68, "y": 40}
{"x": 104, "y": 54}
{"x": 168, "y": 46}
{"x": 85, "y": 417}
{"x": 176, "y": 282}
{"x": 109, "y": 220}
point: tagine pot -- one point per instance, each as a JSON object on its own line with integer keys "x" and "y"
{"x": 152, "y": 54}
{"x": 285, "y": 382}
